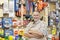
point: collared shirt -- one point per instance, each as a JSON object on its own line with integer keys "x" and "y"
{"x": 40, "y": 26}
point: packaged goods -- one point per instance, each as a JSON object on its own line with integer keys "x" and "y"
{"x": 15, "y": 32}
{"x": 1, "y": 10}
{"x": 0, "y": 38}
{"x": 7, "y": 22}
{"x": 0, "y": 22}
{"x": 14, "y": 23}
{"x": 11, "y": 8}
{"x": 10, "y": 37}
{"x": 6, "y": 38}
{"x": 16, "y": 37}
{"x": 11, "y": 32}
{"x": 20, "y": 37}
{"x": 49, "y": 37}
{"x": 6, "y": 34}
{"x": 16, "y": 7}
{"x": 53, "y": 38}
{"x": 5, "y": 7}
{"x": 54, "y": 30}
{"x": 21, "y": 31}
{"x": 1, "y": 32}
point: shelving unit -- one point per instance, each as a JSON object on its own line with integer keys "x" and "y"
{"x": 53, "y": 5}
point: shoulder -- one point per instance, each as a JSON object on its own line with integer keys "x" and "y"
{"x": 42, "y": 23}
{"x": 29, "y": 24}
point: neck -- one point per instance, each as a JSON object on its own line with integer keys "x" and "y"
{"x": 36, "y": 21}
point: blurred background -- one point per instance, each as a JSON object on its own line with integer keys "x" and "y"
{"x": 16, "y": 14}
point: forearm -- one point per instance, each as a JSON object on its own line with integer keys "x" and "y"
{"x": 28, "y": 35}
{"x": 37, "y": 34}
{"x": 41, "y": 35}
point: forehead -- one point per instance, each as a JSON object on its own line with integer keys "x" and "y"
{"x": 36, "y": 13}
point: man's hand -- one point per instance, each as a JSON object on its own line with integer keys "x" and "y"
{"x": 36, "y": 34}
{"x": 29, "y": 35}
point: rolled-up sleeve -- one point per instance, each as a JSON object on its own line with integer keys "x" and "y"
{"x": 43, "y": 29}
{"x": 28, "y": 27}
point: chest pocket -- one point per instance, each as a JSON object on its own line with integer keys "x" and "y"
{"x": 35, "y": 27}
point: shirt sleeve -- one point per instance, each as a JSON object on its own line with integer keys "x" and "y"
{"x": 43, "y": 29}
{"x": 28, "y": 27}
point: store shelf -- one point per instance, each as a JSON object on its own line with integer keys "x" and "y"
{"x": 58, "y": 6}
{"x": 52, "y": 0}
{"x": 1, "y": 1}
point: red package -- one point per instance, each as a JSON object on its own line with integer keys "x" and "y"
{"x": 14, "y": 23}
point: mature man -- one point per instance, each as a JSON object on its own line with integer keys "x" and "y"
{"x": 36, "y": 30}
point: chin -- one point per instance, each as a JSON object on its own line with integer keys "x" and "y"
{"x": 35, "y": 20}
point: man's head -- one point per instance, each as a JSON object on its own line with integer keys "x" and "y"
{"x": 36, "y": 16}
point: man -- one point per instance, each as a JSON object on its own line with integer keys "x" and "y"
{"x": 36, "y": 30}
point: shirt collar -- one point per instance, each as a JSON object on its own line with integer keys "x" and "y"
{"x": 37, "y": 22}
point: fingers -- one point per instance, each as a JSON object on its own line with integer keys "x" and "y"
{"x": 29, "y": 35}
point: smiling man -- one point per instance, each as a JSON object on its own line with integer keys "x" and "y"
{"x": 36, "y": 30}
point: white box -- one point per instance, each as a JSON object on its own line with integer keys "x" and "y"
{"x": 11, "y": 8}
{"x": 5, "y": 7}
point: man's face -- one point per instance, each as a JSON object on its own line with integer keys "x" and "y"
{"x": 36, "y": 16}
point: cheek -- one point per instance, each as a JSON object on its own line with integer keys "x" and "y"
{"x": 36, "y": 17}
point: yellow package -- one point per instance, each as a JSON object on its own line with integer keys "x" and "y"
{"x": 21, "y": 32}
{"x": 10, "y": 37}
{"x": 0, "y": 38}
{"x": 3, "y": 39}
{"x": 54, "y": 30}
